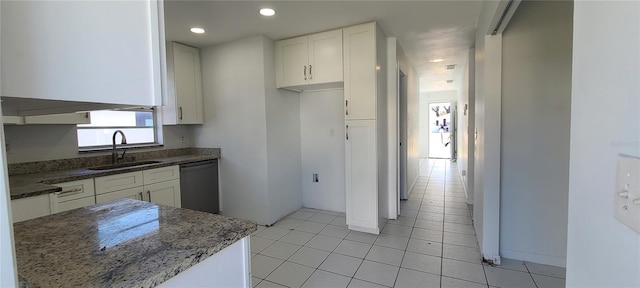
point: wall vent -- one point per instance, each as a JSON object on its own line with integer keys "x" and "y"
{"x": 449, "y": 81}
{"x": 451, "y": 67}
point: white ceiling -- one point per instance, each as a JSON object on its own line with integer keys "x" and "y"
{"x": 425, "y": 29}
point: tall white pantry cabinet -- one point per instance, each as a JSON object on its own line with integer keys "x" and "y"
{"x": 364, "y": 53}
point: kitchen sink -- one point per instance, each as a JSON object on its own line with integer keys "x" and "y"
{"x": 123, "y": 165}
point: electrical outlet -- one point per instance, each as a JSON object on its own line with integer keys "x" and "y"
{"x": 315, "y": 178}
{"x": 332, "y": 132}
{"x": 627, "y": 192}
{"x": 7, "y": 148}
{"x": 463, "y": 173}
{"x": 182, "y": 139}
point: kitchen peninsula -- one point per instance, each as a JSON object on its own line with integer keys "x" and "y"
{"x": 130, "y": 243}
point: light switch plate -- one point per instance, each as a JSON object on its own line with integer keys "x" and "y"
{"x": 627, "y": 192}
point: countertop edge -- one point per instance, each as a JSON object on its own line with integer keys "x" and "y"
{"x": 46, "y": 186}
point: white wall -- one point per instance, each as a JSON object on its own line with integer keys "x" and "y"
{"x": 466, "y": 126}
{"x": 235, "y": 116}
{"x": 413, "y": 119}
{"x": 427, "y": 98}
{"x": 283, "y": 141}
{"x": 536, "y": 112}
{"x": 8, "y": 271}
{"x": 382, "y": 126}
{"x": 322, "y": 134}
{"x": 602, "y": 252}
{"x": 486, "y": 187}
{"x": 393, "y": 106}
{"x": 26, "y": 145}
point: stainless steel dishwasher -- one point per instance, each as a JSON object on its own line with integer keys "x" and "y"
{"x": 199, "y": 186}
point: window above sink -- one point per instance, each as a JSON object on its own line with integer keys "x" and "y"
{"x": 139, "y": 126}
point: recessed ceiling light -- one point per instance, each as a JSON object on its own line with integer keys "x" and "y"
{"x": 267, "y": 12}
{"x": 197, "y": 30}
{"x": 436, "y": 60}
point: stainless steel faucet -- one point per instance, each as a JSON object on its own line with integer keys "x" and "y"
{"x": 115, "y": 156}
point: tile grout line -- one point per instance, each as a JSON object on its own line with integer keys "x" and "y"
{"x": 442, "y": 249}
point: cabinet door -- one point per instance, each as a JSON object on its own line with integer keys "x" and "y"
{"x": 360, "y": 72}
{"x": 325, "y": 57}
{"x": 132, "y": 193}
{"x": 188, "y": 84}
{"x": 87, "y": 51}
{"x": 164, "y": 193}
{"x": 29, "y": 208}
{"x": 292, "y": 60}
{"x": 361, "y": 175}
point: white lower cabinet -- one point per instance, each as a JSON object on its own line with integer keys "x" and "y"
{"x": 361, "y": 176}
{"x": 29, "y": 208}
{"x": 135, "y": 193}
{"x": 74, "y": 195}
{"x": 160, "y": 186}
{"x": 164, "y": 193}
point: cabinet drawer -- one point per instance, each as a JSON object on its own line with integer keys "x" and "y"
{"x": 161, "y": 174}
{"x": 132, "y": 193}
{"x": 118, "y": 182}
{"x": 57, "y": 207}
{"x": 73, "y": 190}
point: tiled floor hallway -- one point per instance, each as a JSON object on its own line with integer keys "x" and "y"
{"x": 432, "y": 244}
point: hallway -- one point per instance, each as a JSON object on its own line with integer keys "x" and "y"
{"x": 432, "y": 244}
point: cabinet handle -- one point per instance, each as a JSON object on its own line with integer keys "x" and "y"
{"x": 141, "y": 198}
{"x": 346, "y": 104}
{"x": 69, "y": 192}
{"x": 180, "y": 113}
{"x": 347, "y": 132}
{"x": 310, "y": 73}
{"x": 305, "y": 72}
{"x": 149, "y": 195}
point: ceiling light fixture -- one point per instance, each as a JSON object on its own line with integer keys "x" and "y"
{"x": 267, "y": 12}
{"x": 436, "y": 60}
{"x": 197, "y": 30}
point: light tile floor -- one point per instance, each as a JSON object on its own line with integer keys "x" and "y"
{"x": 432, "y": 244}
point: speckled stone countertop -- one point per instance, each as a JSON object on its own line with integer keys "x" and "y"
{"x": 33, "y": 184}
{"x": 123, "y": 243}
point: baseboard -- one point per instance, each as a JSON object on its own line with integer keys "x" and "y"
{"x": 534, "y": 257}
{"x": 411, "y": 187}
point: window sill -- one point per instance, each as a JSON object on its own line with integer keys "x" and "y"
{"x": 99, "y": 149}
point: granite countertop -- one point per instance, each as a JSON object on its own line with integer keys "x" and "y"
{"x": 123, "y": 243}
{"x": 28, "y": 185}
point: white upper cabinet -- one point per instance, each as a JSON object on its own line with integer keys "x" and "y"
{"x": 310, "y": 62}
{"x": 292, "y": 61}
{"x": 83, "y": 51}
{"x": 360, "y": 72}
{"x": 184, "y": 86}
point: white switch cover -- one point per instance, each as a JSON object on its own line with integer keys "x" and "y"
{"x": 627, "y": 192}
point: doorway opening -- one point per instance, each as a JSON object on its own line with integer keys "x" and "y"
{"x": 441, "y": 130}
